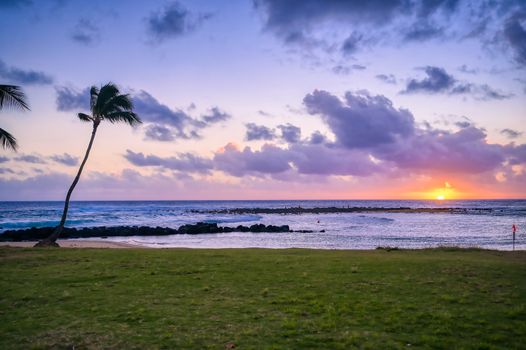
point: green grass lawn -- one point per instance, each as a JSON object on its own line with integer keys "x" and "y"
{"x": 262, "y": 299}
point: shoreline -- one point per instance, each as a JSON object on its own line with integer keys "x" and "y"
{"x": 102, "y": 244}
{"x": 77, "y": 243}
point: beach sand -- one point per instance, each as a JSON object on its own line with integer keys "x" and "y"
{"x": 74, "y": 243}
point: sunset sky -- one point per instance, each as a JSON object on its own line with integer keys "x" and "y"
{"x": 269, "y": 99}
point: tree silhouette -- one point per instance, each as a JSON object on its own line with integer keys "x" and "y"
{"x": 105, "y": 104}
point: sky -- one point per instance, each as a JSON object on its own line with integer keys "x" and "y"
{"x": 269, "y": 99}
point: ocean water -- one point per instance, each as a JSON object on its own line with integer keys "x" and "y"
{"x": 489, "y": 229}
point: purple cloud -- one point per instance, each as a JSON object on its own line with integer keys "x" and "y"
{"x": 510, "y": 133}
{"x": 387, "y": 78}
{"x": 185, "y": 162}
{"x": 290, "y": 133}
{"x": 30, "y": 158}
{"x": 269, "y": 160}
{"x": 69, "y": 99}
{"x": 515, "y": 34}
{"x": 259, "y": 132}
{"x": 24, "y": 77}
{"x": 439, "y": 81}
{"x": 65, "y": 159}
{"x": 158, "y": 133}
{"x": 174, "y": 21}
{"x": 85, "y": 32}
{"x": 361, "y": 120}
{"x": 463, "y": 151}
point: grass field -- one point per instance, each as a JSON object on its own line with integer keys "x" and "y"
{"x": 262, "y": 299}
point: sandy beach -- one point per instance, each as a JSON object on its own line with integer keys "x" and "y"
{"x": 74, "y": 243}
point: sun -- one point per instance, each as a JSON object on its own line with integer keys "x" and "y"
{"x": 440, "y": 198}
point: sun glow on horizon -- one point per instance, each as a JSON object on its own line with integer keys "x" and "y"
{"x": 445, "y": 192}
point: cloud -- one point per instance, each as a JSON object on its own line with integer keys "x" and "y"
{"x": 465, "y": 69}
{"x": 69, "y": 99}
{"x": 179, "y": 123}
{"x": 285, "y": 16}
{"x": 290, "y": 133}
{"x": 173, "y": 21}
{"x": 439, "y": 81}
{"x": 215, "y": 115}
{"x": 4, "y": 171}
{"x": 317, "y": 138}
{"x": 485, "y": 92}
{"x": 347, "y": 69}
{"x": 151, "y": 110}
{"x": 515, "y": 34}
{"x": 463, "y": 124}
{"x": 351, "y": 44}
{"x": 269, "y": 160}
{"x": 510, "y": 133}
{"x": 361, "y": 120}
{"x": 317, "y": 159}
{"x": 390, "y": 135}
{"x": 309, "y": 23}
{"x": 298, "y": 22}
{"x": 387, "y": 78}
{"x": 423, "y": 31}
{"x": 85, "y": 32}
{"x": 3, "y": 159}
{"x": 30, "y": 158}
{"x": 158, "y": 133}
{"x": 463, "y": 151}
{"x": 16, "y": 75}
{"x": 162, "y": 123}
{"x": 185, "y": 162}
{"x": 299, "y": 158}
{"x": 65, "y": 159}
{"x": 259, "y": 132}
{"x": 318, "y": 27}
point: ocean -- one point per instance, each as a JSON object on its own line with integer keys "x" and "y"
{"x": 489, "y": 228}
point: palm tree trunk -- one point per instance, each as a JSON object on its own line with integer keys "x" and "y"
{"x": 51, "y": 240}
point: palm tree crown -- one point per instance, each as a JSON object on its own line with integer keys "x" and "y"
{"x": 108, "y": 104}
{"x": 11, "y": 96}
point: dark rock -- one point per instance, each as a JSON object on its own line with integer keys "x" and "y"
{"x": 34, "y": 234}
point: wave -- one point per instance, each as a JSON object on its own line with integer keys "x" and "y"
{"x": 42, "y": 223}
{"x": 232, "y": 219}
{"x": 372, "y": 219}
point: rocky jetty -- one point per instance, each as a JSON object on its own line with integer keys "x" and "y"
{"x": 33, "y": 234}
{"x": 330, "y": 210}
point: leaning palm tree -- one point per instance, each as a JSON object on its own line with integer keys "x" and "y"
{"x": 106, "y": 104}
{"x": 11, "y": 96}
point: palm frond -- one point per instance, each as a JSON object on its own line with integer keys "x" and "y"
{"x": 106, "y": 93}
{"x": 117, "y": 103}
{"x": 12, "y": 96}
{"x": 7, "y": 140}
{"x": 123, "y": 116}
{"x": 84, "y": 117}
{"x": 94, "y": 93}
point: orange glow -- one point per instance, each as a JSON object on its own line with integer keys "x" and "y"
{"x": 442, "y": 193}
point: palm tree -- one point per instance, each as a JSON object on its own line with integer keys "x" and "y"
{"x": 106, "y": 104}
{"x": 11, "y": 96}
